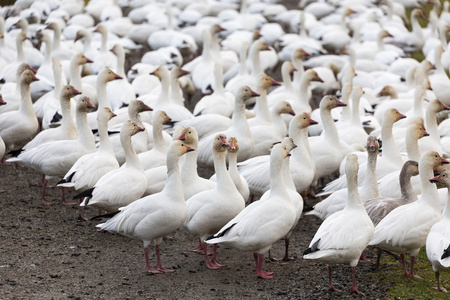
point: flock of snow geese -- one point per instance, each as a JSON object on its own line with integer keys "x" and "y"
{"x": 136, "y": 156}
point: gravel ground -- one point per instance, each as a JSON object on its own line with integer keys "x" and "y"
{"x": 45, "y": 253}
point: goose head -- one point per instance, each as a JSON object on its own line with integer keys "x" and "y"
{"x": 411, "y": 168}
{"x": 437, "y": 106}
{"x": 417, "y": 13}
{"x": 392, "y": 115}
{"x": 284, "y": 107}
{"x": 234, "y": 146}
{"x": 68, "y": 91}
{"x": 117, "y": 49}
{"x": 312, "y": 75}
{"x": 288, "y": 67}
{"x": 329, "y": 102}
{"x": 107, "y": 75}
{"x": 101, "y": 29}
{"x": 105, "y": 114}
{"x": 372, "y": 144}
{"x": 53, "y": 26}
{"x": 129, "y": 129}
{"x": 178, "y": 148}
{"x": 28, "y": 77}
{"x": 245, "y": 93}
{"x": 161, "y": 117}
{"x": 432, "y": 159}
{"x": 260, "y": 45}
{"x": 190, "y": 136}
{"x": 299, "y": 54}
{"x": 416, "y": 131}
{"x": 220, "y": 143}
{"x": 84, "y": 104}
{"x": 278, "y": 153}
{"x": 81, "y": 34}
{"x": 289, "y": 143}
{"x": 302, "y": 120}
{"x": 160, "y": 72}
{"x": 215, "y": 29}
{"x": 80, "y": 59}
{"x": 443, "y": 178}
{"x": 137, "y": 106}
{"x": 45, "y": 37}
{"x": 264, "y": 82}
{"x": 388, "y": 91}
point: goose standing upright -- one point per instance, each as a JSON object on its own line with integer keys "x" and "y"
{"x": 54, "y": 159}
{"x": 406, "y": 227}
{"x": 19, "y": 127}
{"x": 89, "y": 168}
{"x": 438, "y": 240}
{"x": 210, "y": 210}
{"x": 153, "y": 217}
{"x": 260, "y": 225}
{"x": 122, "y": 186}
{"x": 343, "y": 236}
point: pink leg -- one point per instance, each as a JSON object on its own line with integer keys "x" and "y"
{"x": 363, "y": 258}
{"x": 354, "y": 289}
{"x": 80, "y": 215}
{"x": 330, "y": 285}
{"x": 402, "y": 260}
{"x": 63, "y": 195}
{"x": 44, "y": 188}
{"x": 2, "y": 191}
{"x": 439, "y": 287}
{"x": 259, "y": 258}
{"x": 214, "y": 258}
{"x": 147, "y": 264}
{"x": 199, "y": 248}
{"x": 209, "y": 264}
{"x": 411, "y": 273}
{"x": 158, "y": 265}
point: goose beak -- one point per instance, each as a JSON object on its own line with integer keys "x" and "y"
{"x": 444, "y": 161}
{"x": 275, "y": 83}
{"x": 113, "y": 115}
{"x": 225, "y": 143}
{"x": 32, "y": 69}
{"x": 2, "y": 102}
{"x": 140, "y": 128}
{"x": 34, "y": 78}
{"x": 312, "y": 122}
{"x": 116, "y": 76}
{"x": 168, "y": 120}
{"x": 446, "y": 107}
{"x": 89, "y": 61}
{"x": 426, "y": 134}
{"x": 182, "y": 137}
{"x": 147, "y": 108}
{"x": 254, "y": 94}
{"x": 185, "y": 72}
{"x": 76, "y": 92}
{"x": 189, "y": 149}
{"x": 307, "y": 54}
{"x": 402, "y": 116}
{"x": 319, "y": 79}
{"x": 233, "y": 146}
{"x": 90, "y": 105}
{"x": 340, "y": 103}
{"x": 292, "y": 112}
{"x": 289, "y": 154}
{"x": 371, "y": 145}
{"x": 434, "y": 179}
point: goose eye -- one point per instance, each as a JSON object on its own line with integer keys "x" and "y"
{"x": 189, "y": 132}
{"x": 182, "y": 144}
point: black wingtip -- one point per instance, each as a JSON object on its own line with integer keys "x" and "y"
{"x": 56, "y": 118}
{"x": 312, "y": 249}
{"x": 105, "y": 216}
{"x": 446, "y": 253}
{"x": 86, "y": 193}
{"x": 221, "y": 234}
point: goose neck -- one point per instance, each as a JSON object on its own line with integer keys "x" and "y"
{"x": 446, "y": 213}
{"x": 238, "y": 118}
{"x": 406, "y": 186}
{"x": 329, "y": 127}
{"x": 255, "y": 60}
{"x": 416, "y": 28}
{"x": 277, "y": 185}
{"x": 56, "y": 38}
{"x": 189, "y": 168}
{"x": 173, "y": 186}
{"x": 224, "y": 181}
{"x": 370, "y": 183}
{"x": 75, "y": 74}
{"x": 305, "y": 91}
{"x": 48, "y": 51}
{"x": 207, "y": 53}
{"x": 20, "y": 54}
{"x": 121, "y": 64}
{"x": 243, "y": 70}
{"x": 102, "y": 94}
{"x": 57, "y": 73}
{"x": 104, "y": 45}
{"x": 412, "y": 147}
{"x": 354, "y": 199}
{"x": 165, "y": 85}
{"x": 286, "y": 76}
{"x": 287, "y": 176}
{"x": 67, "y": 123}
{"x": 85, "y": 136}
{"x": 429, "y": 190}
{"x": 26, "y": 104}
{"x": 390, "y": 150}
{"x": 431, "y": 124}
{"x": 132, "y": 160}
{"x": 438, "y": 62}
{"x": 233, "y": 169}
{"x": 218, "y": 82}
{"x": 356, "y": 120}
{"x": 158, "y": 138}
{"x": 261, "y": 106}
{"x": 105, "y": 142}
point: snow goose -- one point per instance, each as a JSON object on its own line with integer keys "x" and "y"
{"x": 11, "y": 90}
{"x": 219, "y": 102}
{"x": 263, "y": 82}
{"x": 141, "y": 141}
{"x": 76, "y": 62}
{"x": 8, "y": 73}
{"x": 210, "y": 210}
{"x": 438, "y": 240}
{"x": 54, "y": 159}
{"x": 67, "y": 130}
{"x": 256, "y": 170}
{"x": 120, "y": 92}
{"x": 287, "y": 89}
{"x": 89, "y": 168}
{"x": 19, "y": 127}
{"x": 337, "y": 200}
{"x": 406, "y": 228}
{"x": 326, "y": 150}
{"x": 102, "y": 58}
{"x": 343, "y": 236}
{"x": 239, "y": 181}
{"x": 122, "y": 186}
{"x": 411, "y": 41}
{"x": 266, "y": 135}
{"x": 152, "y": 158}
{"x": 60, "y": 50}
{"x": 433, "y": 141}
{"x": 261, "y": 224}
{"x": 153, "y": 217}
{"x": 389, "y": 162}
{"x": 388, "y": 184}
{"x": 239, "y": 129}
